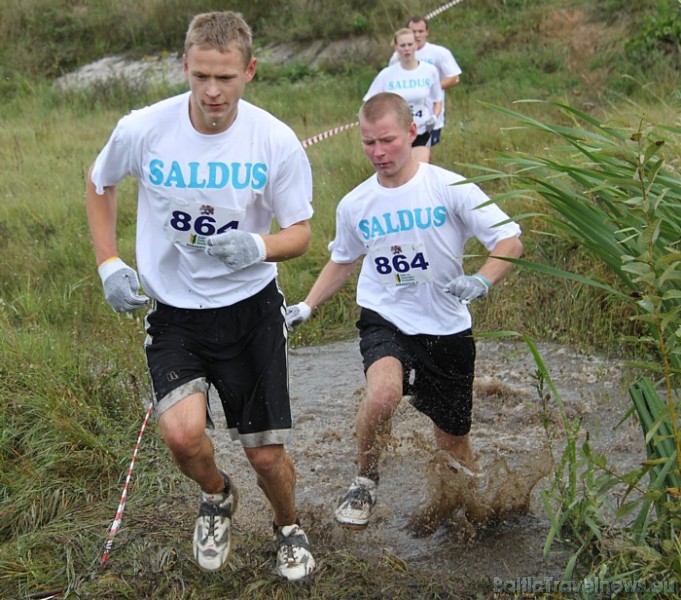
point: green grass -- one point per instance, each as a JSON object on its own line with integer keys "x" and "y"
{"x": 72, "y": 374}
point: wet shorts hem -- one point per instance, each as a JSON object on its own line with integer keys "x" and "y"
{"x": 195, "y": 386}
{"x": 262, "y": 438}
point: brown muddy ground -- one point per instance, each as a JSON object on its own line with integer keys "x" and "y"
{"x": 426, "y": 515}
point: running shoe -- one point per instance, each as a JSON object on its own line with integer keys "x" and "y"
{"x": 294, "y": 559}
{"x": 212, "y": 539}
{"x": 354, "y": 509}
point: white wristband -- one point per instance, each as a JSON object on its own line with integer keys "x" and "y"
{"x": 262, "y": 249}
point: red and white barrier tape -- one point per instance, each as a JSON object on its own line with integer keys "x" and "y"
{"x": 442, "y": 9}
{"x": 327, "y": 134}
{"x": 115, "y": 525}
{"x": 336, "y": 130}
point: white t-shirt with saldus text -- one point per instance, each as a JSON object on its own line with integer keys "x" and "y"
{"x": 420, "y": 87}
{"x": 412, "y": 238}
{"x": 443, "y": 60}
{"x": 193, "y": 185}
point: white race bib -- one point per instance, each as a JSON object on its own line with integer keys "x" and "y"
{"x": 191, "y": 223}
{"x": 401, "y": 264}
{"x": 419, "y": 112}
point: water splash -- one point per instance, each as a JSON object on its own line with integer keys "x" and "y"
{"x": 475, "y": 501}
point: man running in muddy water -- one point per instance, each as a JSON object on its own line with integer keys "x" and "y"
{"x": 411, "y": 224}
{"x": 214, "y": 171}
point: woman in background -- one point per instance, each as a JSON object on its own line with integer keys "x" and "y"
{"x": 418, "y": 83}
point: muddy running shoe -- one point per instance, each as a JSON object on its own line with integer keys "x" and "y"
{"x": 212, "y": 538}
{"x": 354, "y": 509}
{"x": 294, "y": 559}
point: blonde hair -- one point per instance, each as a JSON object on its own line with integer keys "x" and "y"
{"x": 386, "y": 103}
{"x": 399, "y": 32}
{"x": 219, "y": 30}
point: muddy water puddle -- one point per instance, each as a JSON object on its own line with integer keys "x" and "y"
{"x": 426, "y": 514}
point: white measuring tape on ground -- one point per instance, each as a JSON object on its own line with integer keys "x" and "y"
{"x": 336, "y": 130}
{"x": 115, "y": 525}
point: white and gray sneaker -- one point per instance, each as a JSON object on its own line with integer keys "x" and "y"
{"x": 294, "y": 559}
{"x": 212, "y": 538}
{"x": 355, "y": 507}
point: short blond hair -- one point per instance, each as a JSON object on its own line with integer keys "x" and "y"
{"x": 401, "y": 31}
{"x": 219, "y": 30}
{"x": 386, "y": 103}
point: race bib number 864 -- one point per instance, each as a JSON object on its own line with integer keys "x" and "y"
{"x": 401, "y": 264}
{"x": 191, "y": 223}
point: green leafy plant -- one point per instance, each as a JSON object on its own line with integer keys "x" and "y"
{"x": 659, "y": 35}
{"x": 608, "y": 188}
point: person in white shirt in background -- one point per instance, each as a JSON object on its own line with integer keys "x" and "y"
{"x": 418, "y": 83}
{"x": 410, "y": 222}
{"x": 443, "y": 60}
{"x": 213, "y": 173}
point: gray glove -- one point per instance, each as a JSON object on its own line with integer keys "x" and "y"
{"x": 121, "y": 286}
{"x": 430, "y": 124}
{"x": 297, "y": 314}
{"x": 237, "y": 249}
{"x": 468, "y": 287}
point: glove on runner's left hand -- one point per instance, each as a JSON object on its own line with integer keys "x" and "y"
{"x": 297, "y": 314}
{"x": 237, "y": 249}
{"x": 430, "y": 124}
{"x": 468, "y": 287}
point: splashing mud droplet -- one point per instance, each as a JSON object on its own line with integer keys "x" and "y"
{"x": 496, "y": 493}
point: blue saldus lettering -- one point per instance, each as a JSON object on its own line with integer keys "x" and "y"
{"x": 408, "y": 84}
{"x": 156, "y": 172}
{"x": 364, "y": 229}
{"x": 406, "y": 218}
{"x": 376, "y": 228}
{"x": 389, "y": 227}
{"x": 174, "y": 178}
{"x": 402, "y": 220}
{"x": 194, "y": 176}
{"x": 259, "y": 176}
{"x": 439, "y": 216}
{"x": 434, "y": 217}
{"x": 421, "y": 221}
{"x": 236, "y": 167}
{"x": 216, "y": 175}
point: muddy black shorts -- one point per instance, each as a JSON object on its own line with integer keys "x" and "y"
{"x": 435, "y": 136}
{"x": 241, "y": 350}
{"x": 438, "y": 369}
{"x": 421, "y": 140}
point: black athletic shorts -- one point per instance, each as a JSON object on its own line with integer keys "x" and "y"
{"x": 421, "y": 140}
{"x": 438, "y": 369}
{"x": 435, "y": 136}
{"x": 241, "y": 350}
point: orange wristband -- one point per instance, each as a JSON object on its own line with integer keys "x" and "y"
{"x": 108, "y": 260}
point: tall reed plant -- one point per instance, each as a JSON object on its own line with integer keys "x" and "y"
{"x": 608, "y": 187}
